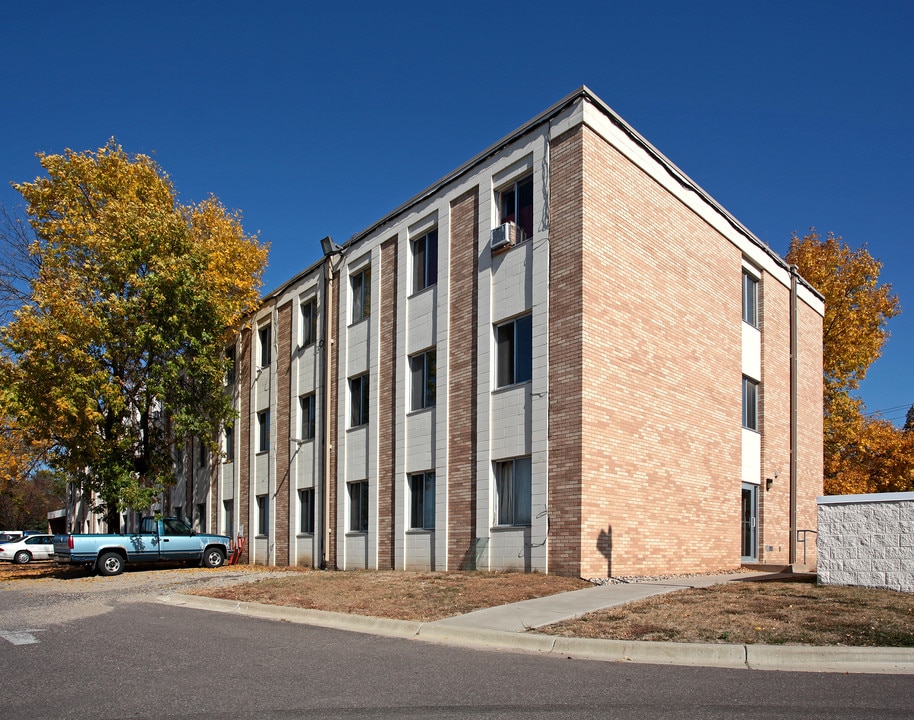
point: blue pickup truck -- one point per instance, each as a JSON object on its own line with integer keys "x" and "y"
{"x": 158, "y": 540}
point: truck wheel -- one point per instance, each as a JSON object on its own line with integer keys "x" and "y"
{"x": 22, "y": 557}
{"x": 110, "y": 563}
{"x": 213, "y": 558}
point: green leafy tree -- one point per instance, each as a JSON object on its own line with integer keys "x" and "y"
{"x": 116, "y": 353}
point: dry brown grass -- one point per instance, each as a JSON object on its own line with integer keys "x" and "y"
{"x": 770, "y": 613}
{"x": 422, "y": 597}
{"x": 793, "y": 613}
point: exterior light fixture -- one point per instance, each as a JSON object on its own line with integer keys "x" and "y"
{"x": 329, "y": 247}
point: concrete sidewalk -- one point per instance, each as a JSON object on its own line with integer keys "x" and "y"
{"x": 529, "y": 614}
{"x": 507, "y": 628}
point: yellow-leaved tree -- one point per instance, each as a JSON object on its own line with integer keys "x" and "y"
{"x": 863, "y": 454}
{"x": 117, "y": 351}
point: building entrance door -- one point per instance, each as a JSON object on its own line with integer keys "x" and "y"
{"x": 750, "y": 522}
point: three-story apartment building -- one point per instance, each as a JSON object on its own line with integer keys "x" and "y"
{"x": 564, "y": 356}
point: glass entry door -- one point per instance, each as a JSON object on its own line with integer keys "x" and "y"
{"x": 750, "y": 522}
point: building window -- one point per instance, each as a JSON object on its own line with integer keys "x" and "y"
{"x": 179, "y": 512}
{"x": 201, "y": 517}
{"x": 422, "y": 501}
{"x": 306, "y": 511}
{"x": 263, "y": 426}
{"x": 514, "y": 341}
{"x": 422, "y": 370}
{"x": 308, "y": 323}
{"x": 229, "y": 443}
{"x": 750, "y": 299}
{"x": 358, "y": 400}
{"x": 202, "y": 454}
{"x": 750, "y": 404}
{"x": 263, "y": 515}
{"x": 425, "y": 260}
{"x": 361, "y": 294}
{"x": 230, "y": 371}
{"x": 228, "y": 517}
{"x": 266, "y": 353}
{"x": 515, "y": 204}
{"x": 306, "y": 403}
{"x": 512, "y": 489}
{"x": 358, "y": 507}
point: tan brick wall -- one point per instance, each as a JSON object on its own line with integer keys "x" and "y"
{"x": 774, "y": 417}
{"x": 463, "y": 352}
{"x": 243, "y": 451}
{"x": 566, "y": 299}
{"x": 774, "y": 504}
{"x": 661, "y": 367}
{"x": 809, "y": 423}
{"x": 387, "y": 410}
{"x": 283, "y": 433}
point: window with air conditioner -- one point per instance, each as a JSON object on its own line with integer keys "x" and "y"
{"x": 515, "y": 214}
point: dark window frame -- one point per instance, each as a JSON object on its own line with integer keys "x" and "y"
{"x": 263, "y": 515}
{"x": 358, "y": 506}
{"x": 422, "y": 500}
{"x": 514, "y": 507}
{"x": 263, "y": 431}
{"x": 308, "y": 322}
{"x": 265, "y": 338}
{"x": 750, "y": 299}
{"x": 359, "y": 400}
{"x": 425, "y": 260}
{"x": 514, "y": 351}
{"x": 423, "y": 378}
{"x": 306, "y": 511}
{"x": 750, "y": 403}
{"x": 307, "y": 405}
{"x": 515, "y": 204}
{"x": 360, "y": 284}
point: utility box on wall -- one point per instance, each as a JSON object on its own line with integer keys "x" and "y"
{"x": 867, "y": 540}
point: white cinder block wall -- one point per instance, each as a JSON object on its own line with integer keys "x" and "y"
{"x": 867, "y": 540}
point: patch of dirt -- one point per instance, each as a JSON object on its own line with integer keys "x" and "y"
{"x": 748, "y": 612}
{"x": 421, "y": 597}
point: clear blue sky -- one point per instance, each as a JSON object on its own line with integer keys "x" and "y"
{"x": 319, "y": 118}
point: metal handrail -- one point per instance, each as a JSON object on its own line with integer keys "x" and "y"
{"x": 802, "y": 539}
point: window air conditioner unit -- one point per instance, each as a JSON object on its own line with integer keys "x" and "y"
{"x": 506, "y": 235}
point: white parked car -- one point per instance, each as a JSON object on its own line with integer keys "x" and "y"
{"x": 28, "y": 548}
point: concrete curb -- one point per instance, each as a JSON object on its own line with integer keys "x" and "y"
{"x": 653, "y": 653}
{"x": 803, "y": 658}
{"x": 881, "y": 660}
{"x": 320, "y": 618}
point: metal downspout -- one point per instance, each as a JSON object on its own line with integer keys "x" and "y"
{"x": 325, "y": 391}
{"x": 794, "y": 372}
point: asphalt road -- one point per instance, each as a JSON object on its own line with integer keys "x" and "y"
{"x": 121, "y": 655}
